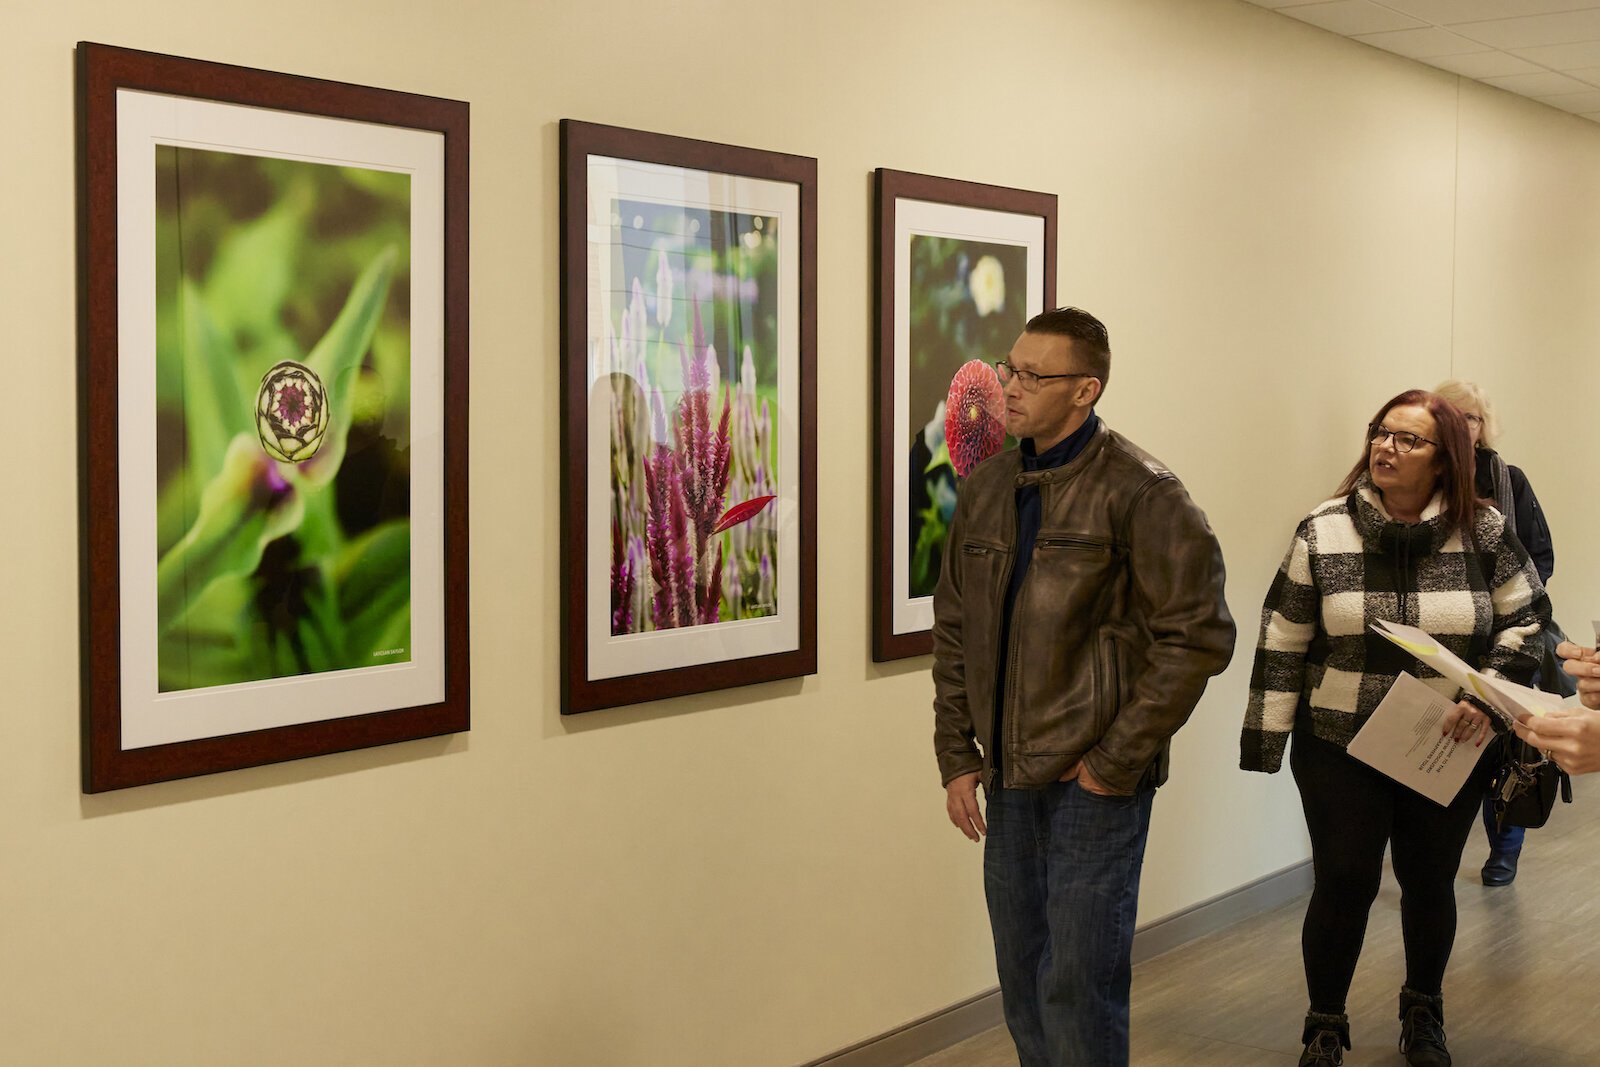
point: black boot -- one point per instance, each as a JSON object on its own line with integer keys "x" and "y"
{"x": 1326, "y": 1036}
{"x": 1422, "y": 1029}
{"x": 1501, "y": 867}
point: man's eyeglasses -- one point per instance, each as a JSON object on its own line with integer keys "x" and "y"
{"x": 1404, "y": 440}
{"x": 1030, "y": 381}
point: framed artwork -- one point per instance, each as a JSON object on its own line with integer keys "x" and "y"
{"x": 273, "y": 359}
{"x": 688, "y": 388}
{"x": 961, "y": 268}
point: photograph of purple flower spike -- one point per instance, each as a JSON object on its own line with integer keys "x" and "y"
{"x": 689, "y": 488}
{"x": 961, "y": 267}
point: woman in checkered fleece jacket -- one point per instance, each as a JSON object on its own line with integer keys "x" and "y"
{"x": 1406, "y": 540}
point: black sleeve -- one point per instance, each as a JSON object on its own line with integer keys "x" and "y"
{"x": 1531, "y": 529}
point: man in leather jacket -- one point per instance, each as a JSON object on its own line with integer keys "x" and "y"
{"x": 1078, "y": 617}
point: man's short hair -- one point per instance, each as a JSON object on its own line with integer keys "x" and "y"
{"x": 1090, "y": 341}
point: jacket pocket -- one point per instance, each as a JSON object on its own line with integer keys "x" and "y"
{"x": 1082, "y": 544}
{"x": 1108, "y": 684}
{"x": 983, "y": 566}
{"x": 1073, "y": 573}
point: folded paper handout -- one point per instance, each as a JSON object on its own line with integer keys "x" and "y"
{"x": 1508, "y": 700}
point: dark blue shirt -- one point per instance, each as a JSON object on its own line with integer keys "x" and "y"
{"x": 1029, "y": 515}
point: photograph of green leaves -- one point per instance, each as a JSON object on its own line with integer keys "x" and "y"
{"x": 282, "y": 419}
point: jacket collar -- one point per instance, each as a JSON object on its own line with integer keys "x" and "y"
{"x": 1063, "y": 451}
{"x": 1380, "y": 531}
{"x": 1070, "y": 469}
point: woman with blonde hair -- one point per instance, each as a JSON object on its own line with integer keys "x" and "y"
{"x": 1508, "y": 489}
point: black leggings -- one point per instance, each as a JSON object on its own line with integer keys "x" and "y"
{"x": 1352, "y": 811}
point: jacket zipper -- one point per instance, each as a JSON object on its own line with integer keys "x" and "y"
{"x": 1008, "y": 718}
{"x": 1072, "y": 542}
{"x": 997, "y": 768}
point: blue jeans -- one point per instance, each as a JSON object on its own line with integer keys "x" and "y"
{"x": 1061, "y": 873}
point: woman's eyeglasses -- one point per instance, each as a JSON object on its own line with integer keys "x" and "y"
{"x": 1404, "y": 440}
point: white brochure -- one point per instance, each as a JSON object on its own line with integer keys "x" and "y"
{"x": 1402, "y": 740}
{"x": 1508, "y": 699}
{"x": 1520, "y": 701}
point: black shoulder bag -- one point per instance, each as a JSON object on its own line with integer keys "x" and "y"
{"x": 1523, "y": 790}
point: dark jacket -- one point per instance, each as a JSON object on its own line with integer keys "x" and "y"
{"x": 1118, "y": 624}
{"x": 1527, "y": 517}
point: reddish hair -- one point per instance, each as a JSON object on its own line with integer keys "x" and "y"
{"x": 1457, "y": 461}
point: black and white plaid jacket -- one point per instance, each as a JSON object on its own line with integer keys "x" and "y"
{"x": 1318, "y": 662}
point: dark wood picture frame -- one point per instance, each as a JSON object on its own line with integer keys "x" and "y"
{"x": 104, "y": 74}
{"x": 890, "y": 188}
{"x": 581, "y": 141}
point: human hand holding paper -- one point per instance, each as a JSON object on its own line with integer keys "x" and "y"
{"x": 1570, "y": 736}
{"x": 1583, "y": 665}
{"x": 1402, "y": 739}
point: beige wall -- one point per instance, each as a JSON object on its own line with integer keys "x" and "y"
{"x": 1282, "y": 229}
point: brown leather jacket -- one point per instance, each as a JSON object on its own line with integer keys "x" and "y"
{"x": 1119, "y": 622}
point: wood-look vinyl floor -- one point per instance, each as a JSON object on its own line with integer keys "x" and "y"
{"x": 1523, "y": 989}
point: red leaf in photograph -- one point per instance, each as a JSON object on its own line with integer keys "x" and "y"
{"x": 740, "y": 512}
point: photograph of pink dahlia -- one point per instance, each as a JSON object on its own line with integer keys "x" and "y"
{"x": 974, "y": 427}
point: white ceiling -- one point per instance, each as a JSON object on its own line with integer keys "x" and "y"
{"x": 1548, "y": 50}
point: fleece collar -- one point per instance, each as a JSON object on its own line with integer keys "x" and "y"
{"x": 1381, "y": 532}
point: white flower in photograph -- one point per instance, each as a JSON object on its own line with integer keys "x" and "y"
{"x": 933, "y": 432}
{"x": 987, "y": 284}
